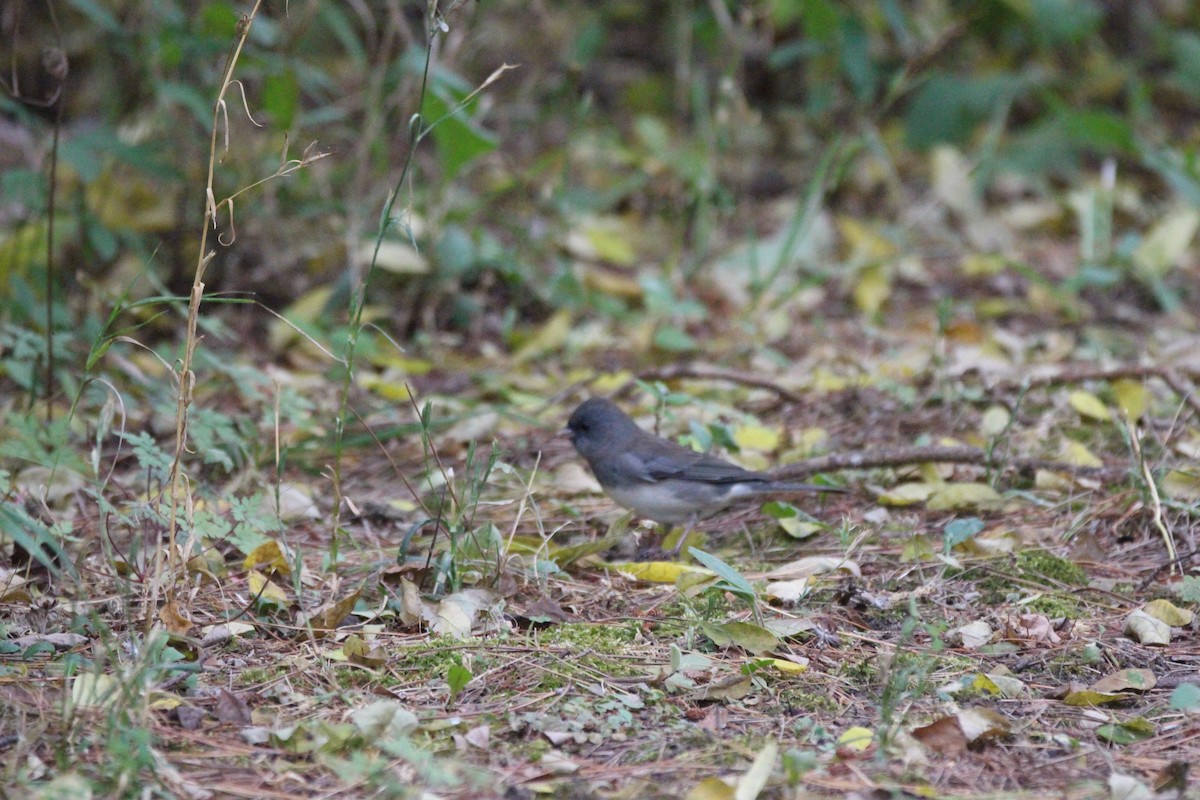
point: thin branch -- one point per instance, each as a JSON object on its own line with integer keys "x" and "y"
{"x": 909, "y": 456}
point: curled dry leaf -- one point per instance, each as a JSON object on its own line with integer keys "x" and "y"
{"x": 1140, "y": 680}
{"x": 1034, "y": 628}
{"x": 811, "y": 565}
{"x": 1147, "y": 629}
{"x": 975, "y": 635}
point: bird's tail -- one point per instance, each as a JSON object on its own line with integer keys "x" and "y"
{"x": 791, "y": 486}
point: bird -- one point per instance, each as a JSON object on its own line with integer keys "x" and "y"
{"x": 659, "y": 479}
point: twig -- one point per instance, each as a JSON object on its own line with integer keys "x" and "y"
{"x": 905, "y": 456}
{"x": 1083, "y": 373}
{"x": 720, "y": 374}
{"x": 1155, "y": 500}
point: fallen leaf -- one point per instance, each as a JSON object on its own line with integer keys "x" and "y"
{"x": 754, "y": 780}
{"x": 955, "y": 496}
{"x": 1088, "y": 406}
{"x": 857, "y": 738}
{"x": 1169, "y": 613}
{"x": 751, "y": 638}
{"x": 1147, "y": 629}
{"x": 265, "y": 591}
{"x": 1141, "y": 680}
{"x": 1132, "y": 398}
{"x": 659, "y": 571}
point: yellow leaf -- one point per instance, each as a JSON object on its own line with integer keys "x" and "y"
{"x": 548, "y": 337}
{"x": 995, "y": 421}
{"x": 711, "y": 789}
{"x": 985, "y": 685}
{"x": 788, "y": 667}
{"x": 954, "y": 496}
{"x": 908, "y": 494}
{"x": 865, "y": 242}
{"x": 981, "y": 265}
{"x": 270, "y": 554}
{"x": 1167, "y": 242}
{"x": 165, "y": 702}
{"x": 1047, "y": 481}
{"x": 1089, "y": 406}
{"x": 825, "y": 381}
{"x": 872, "y": 290}
{"x": 1087, "y": 697}
{"x": 265, "y": 590}
{"x": 658, "y": 571}
{"x": 1132, "y": 398}
{"x": 613, "y": 283}
{"x": 609, "y": 382}
{"x": 917, "y": 548}
{"x": 857, "y": 738}
{"x": 611, "y": 241}
{"x": 1182, "y": 484}
{"x": 1169, "y": 613}
{"x": 798, "y": 528}
{"x": 810, "y": 441}
{"x": 392, "y": 359}
{"x": 306, "y": 310}
{"x": 1078, "y": 455}
{"x": 756, "y": 437}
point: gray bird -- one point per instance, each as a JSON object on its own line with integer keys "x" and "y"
{"x": 659, "y": 479}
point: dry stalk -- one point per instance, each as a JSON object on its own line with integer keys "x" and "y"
{"x": 185, "y": 377}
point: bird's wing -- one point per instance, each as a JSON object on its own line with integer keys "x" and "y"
{"x": 686, "y": 464}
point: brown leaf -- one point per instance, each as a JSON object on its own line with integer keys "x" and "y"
{"x": 944, "y": 736}
{"x": 231, "y": 708}
{"x": 173, "y": 619}
{"x": 330, "y": 616}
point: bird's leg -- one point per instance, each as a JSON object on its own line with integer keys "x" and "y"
{"x": 682, "y": 540}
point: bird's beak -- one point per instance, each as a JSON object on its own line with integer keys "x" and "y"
{"x": 565, "y": 433}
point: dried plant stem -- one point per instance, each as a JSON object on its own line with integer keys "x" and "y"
{"x": 1160, "y": 523}
{"x": 186, "y": 378}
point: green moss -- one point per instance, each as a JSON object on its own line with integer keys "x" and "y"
{"x": 591, "y": 649}
{"x": 255, "y": 675}
{"x": 1055, "y": 606}
{"x": 1047, "y": 565}
{"x": 862, "y": 672}
{"x": 809, "y": 702}
{"x": 601, "y": 637}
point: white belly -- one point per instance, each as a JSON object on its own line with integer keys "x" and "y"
{"x": 656, "y": 502}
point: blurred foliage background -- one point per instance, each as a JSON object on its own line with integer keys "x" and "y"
{"x": 672, "y": 166}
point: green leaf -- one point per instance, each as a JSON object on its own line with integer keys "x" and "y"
{"x": 736, "y": 582}
{"x": 1189, "y": 589}
{"x": 1186, "y": 697}
{"x": 457, "y": 678}
{"x": 668, "y": 337}
{"x": 749, "y": 637}
{"x": 99, "y": 15}
{"x": 458, "y": 138}
{"x": 960, "y": 530}
{"x": 947, "y": 108}
{"x": 281, "y": 97}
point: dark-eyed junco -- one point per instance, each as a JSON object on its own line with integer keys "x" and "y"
{"x": 657, "y": 478}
